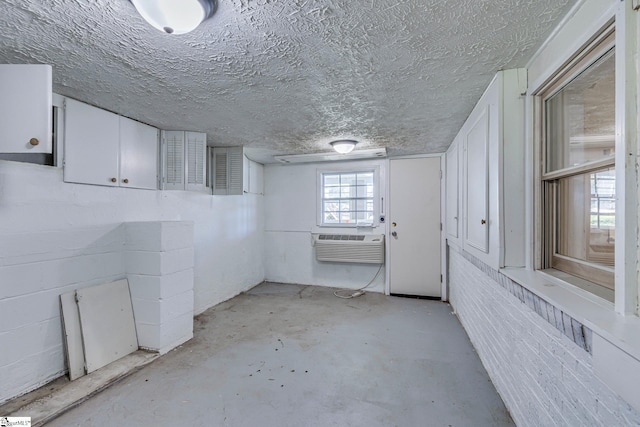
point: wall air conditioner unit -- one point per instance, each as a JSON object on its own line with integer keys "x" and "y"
{"x": 350, "y": 248}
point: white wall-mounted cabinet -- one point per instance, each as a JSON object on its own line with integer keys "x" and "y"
{"x": 183, "y": 160}
{"x": 489, "y": 155}
{"x": 138, "y": 154}
{"x": 476, "y": 195}
{"x": 103, "y": 148}
{"x": 452, "y": 186}
{"x": 25, "y": 108}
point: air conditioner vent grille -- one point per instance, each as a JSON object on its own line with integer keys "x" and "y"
{"x": 340, "y": 237}
{"x": 349, "y": 248}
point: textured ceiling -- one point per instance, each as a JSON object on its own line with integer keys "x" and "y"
{"x": 286, "y": 76}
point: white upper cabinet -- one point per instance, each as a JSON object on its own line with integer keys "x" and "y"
{"x": 103, "y": 148}
{"x": 25, "y": 108}
{"x": 138, "y": 154}
{"x": 452, "y": 191}
{"x": 492, "y": 165}
{"x": 91, "y": 144}
{"x": 476, "y": 146}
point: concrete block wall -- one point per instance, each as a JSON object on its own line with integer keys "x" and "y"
{"x": 159, "y": 264}
{"x": 35, "y": 268}
{"x": 52, "y": 233}
{"x": 544, "y": 377}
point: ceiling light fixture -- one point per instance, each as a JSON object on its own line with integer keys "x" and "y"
{"x": 175, "y": 16}
{"x": 344, "y": 146}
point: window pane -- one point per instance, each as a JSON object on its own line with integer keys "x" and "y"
{"x": 347, "y": 197}
{"x": 330, "y": 218}
{"x": 580, "y": 118}
{"x": 332, "y": 192}
{"x": 331, "y": 180}
{"x": 348, "y": 179}
{"x": 365, "y": 178}
{"x": 585, "y": 223}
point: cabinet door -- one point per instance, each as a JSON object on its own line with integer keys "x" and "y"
{"x": 196, "y": 152}
{"x": 91, "y": 144}
{"x": 477, "y": 183}
{"x": 228, "y": 171}
{"x": 138, "y": 155}
{"x": 173, "y": 160}
{"x": 25, "y": 108}
{"x": 452, "y": 191}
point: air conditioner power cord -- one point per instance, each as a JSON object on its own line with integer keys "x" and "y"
{"x": 354, "y": 293}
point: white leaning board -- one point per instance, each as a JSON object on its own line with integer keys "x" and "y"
{"x": 72, "y": 335}
{"x": 108, "y": 327}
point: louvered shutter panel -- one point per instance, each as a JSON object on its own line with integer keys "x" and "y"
{"x": 173, "y": 144}
{"x": 196, "y": 152}
{"x": 227, "y": 170}
{"x": 235, "y": 157}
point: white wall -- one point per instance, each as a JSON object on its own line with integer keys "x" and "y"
{"x": 558, "y": 355}
{"x": 290, "y": 218}
{"x": 544, "y": 378}
{"x": 54, "y": 236}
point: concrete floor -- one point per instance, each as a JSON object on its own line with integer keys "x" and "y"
{"x": 287, "y": 355}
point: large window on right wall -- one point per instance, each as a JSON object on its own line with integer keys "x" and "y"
{"x": 578, "y": 186}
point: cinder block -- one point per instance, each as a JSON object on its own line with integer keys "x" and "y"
{"x": 158, "y": 263}
{"x": 28, "y": 310}
{"x": 166, "y": 286}
{"x": 176, "y": 330}
{"x": 176, "y": 306}
{"x": 143, "y": 236}
{"x": 148, "y": 335}
{"x": 177, "y": 235}
{"x": 146, "y": 310}
{"x": 145, "y": 286}
{"x": 159, "y": 236}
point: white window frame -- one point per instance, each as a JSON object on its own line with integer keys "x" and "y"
{"x": 603, "y": 43}
{"x": 347, "y": 170}
{"x": 626, "y": 146}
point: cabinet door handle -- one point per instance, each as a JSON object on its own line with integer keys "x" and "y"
{"x": 482, "y": 221}
{"x": 34, "y": 141}
{"x": 126, "y": 181}
{"x": 113, "y": 180}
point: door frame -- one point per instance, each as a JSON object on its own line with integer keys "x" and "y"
{"x": 443, "y": 244}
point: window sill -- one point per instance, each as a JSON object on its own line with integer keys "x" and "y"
{"x": 595, "y": 313}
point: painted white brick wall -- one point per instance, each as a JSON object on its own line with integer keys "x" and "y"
{"x": 544, "y": 378}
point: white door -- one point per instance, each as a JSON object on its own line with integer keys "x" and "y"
{"x": 414, "y": 227}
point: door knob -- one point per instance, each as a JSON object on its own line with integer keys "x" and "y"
{"x": 126, "y": 181}
{"x": 394, "y": 234}
{"x": 482, "y": 221}
{"x": 34, "y": 141}
{"x": 113, "y": 180}
{"x": 393, "y": 224}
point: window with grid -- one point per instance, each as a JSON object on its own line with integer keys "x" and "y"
{"x": 578, "y": 170}
{"x": 347, "y": 198}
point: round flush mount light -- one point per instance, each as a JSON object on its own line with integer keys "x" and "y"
{"x": 344, "y": 146}
{"x": 175, "y": 16}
